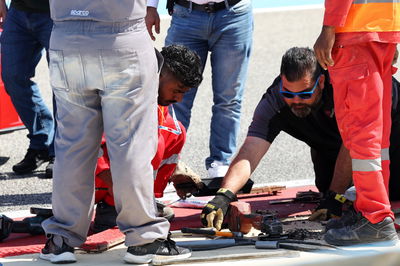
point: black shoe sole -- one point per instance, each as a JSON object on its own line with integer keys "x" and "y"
{"x": 28, "y": 171}
{"x": 338, "y": 242}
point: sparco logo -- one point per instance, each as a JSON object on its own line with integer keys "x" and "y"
{"x": 82, "y": 13}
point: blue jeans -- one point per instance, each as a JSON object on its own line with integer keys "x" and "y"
{"x": 227, "y": 34}
{"x": 24, "y": 36}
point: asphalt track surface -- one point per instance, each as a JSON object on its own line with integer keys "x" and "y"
{"x": 288, "y": 160}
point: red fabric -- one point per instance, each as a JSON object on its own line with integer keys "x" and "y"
{"x": 169, "y": 145}
{"x": 103, "y": 162}
{"x": 361, "y": 79}
{"x": 336, "y": 12}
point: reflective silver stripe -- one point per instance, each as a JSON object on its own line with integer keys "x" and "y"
{"x": 366, "y": 165}
{"x": 172, "y": 159}
{"x": 385, "y": 154}
{"x": 155, "y": 172}
{"x": 375, "y": 1}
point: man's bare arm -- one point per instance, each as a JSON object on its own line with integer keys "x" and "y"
{"x": 323, "y": 46}
{"x": 342, "y": 176}
{"x": 245, "y": 162}
{"x": 3, "y": 12}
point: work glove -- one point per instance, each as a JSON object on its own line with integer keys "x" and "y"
{"x": 329, "y": 207}
{"x": 215, "y": 210}
{"x": 185, "y": 181}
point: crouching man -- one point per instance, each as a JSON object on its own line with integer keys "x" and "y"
{"x": 300, "y": 103}
{"x": 180, "y": 71}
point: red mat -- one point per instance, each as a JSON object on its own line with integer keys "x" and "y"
{"x": 19, "y": 244}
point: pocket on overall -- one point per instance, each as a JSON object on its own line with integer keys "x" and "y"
{"x": 58, "y": 79}
{"x": 120, "y": 68}
{"x": 351, "y": 78}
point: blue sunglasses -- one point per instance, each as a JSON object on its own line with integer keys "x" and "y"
{"x": 303, "y": 95}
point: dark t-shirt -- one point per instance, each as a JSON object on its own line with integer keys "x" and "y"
{"x": 319, "y": 129}
{"x": 31, "y": 5}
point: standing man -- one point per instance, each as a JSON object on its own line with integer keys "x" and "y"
{"x": 224, "y": 28}
{"x": 26, "y": 31}
{"x": 104, "y": 76}
{"x": 357, "y": 44}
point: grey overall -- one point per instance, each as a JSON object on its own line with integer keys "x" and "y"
{"x": 103, "y": 72}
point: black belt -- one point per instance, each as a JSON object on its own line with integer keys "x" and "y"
{"x": 210, "y": 7}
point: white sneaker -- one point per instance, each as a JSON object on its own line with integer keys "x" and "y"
{"x": 217, "y": 169}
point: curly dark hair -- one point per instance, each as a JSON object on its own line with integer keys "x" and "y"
{"x": 184, "y": 64}
{"x": 299, "y": 61}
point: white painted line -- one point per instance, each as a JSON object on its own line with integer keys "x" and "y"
{"x": 18, "y": 214}
{"x": 287, "y": 8}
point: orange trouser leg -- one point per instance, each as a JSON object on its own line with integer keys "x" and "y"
{"x": 362, "y": 95}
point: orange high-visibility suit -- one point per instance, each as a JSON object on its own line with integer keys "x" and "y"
{"x": 366, "y": 35}
{"x": 171, "y": 138}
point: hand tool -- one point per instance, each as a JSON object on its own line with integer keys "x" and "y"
{"x": 211, "y": 232}
{"x": 301, "y": 196}
{"x": 31, "y": 225}
{"x": 241, "y": 219}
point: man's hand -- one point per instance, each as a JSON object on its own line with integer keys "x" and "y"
{"x": 329, "y": 207}
{"x": 152, "y": 19}
{"x": 185, "y": 181}
{"x": 215, "y": 210}
{"x": 3, "y": 12}
{"x": 323, "y": 46}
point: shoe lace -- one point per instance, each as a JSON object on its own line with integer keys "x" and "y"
{"x": 170, "y": 244}
{"x": 49, "y": 238}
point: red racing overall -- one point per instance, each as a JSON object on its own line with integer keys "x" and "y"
{"x": 366, "y": 35}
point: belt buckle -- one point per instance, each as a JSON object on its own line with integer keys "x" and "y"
{"x": 209, "y": 7}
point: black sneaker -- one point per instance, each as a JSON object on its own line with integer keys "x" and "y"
{"x": 349, "y": 217}
{"x": 57, "y": 251}
{"x": 105, "y": 217}
{"x": 159, "y": 252}
{"x": 32, "y": 160}
{"x": 48, "y": 174}
{"x": 363, "y": 231}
